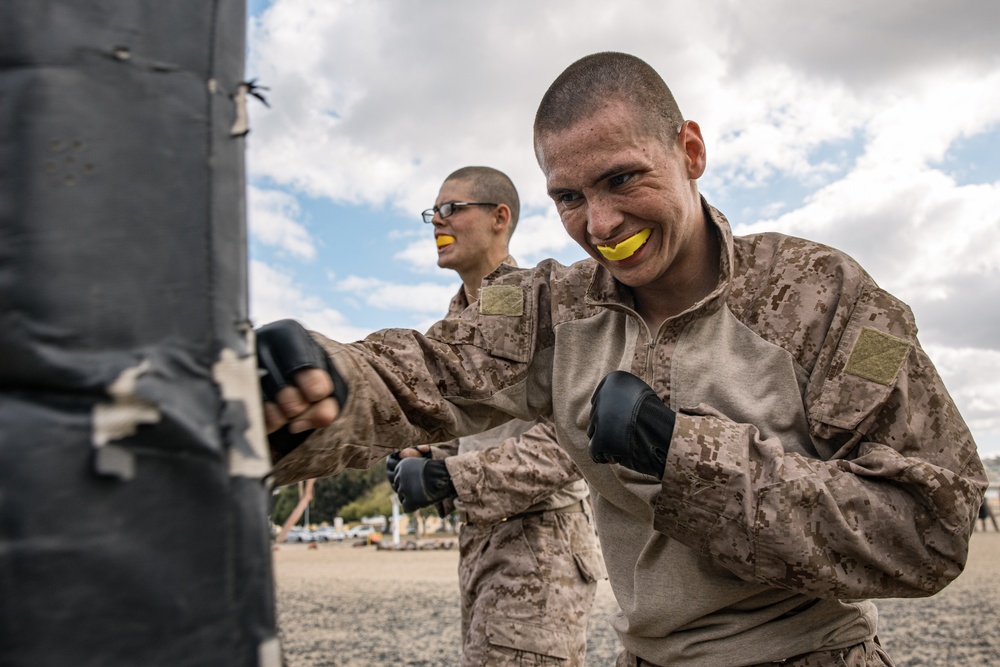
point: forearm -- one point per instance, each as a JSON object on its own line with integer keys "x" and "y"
{"x": 396, "y": 400}
{"x": 873, "y": 495}
{"x": 879, "y": 524}
{"x": 514, "y": 475}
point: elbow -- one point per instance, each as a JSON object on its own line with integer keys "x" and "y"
{"x": 928, "y": 570}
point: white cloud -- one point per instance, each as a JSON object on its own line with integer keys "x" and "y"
{"x": 540, "y": 236}
{"x": 363, "y": 110}
{"x": 420, "y": 255}
{"x": 420, "y": 298}
{"x": 771, "y": 120}
{"x": 932, "y": 242}
{"x": 910, "y": 229}
{"x": 271, "y": 219}
{"x": 870, "y": 45}
{"x": 973, "y": 379}
{"x": 275, "y": 295}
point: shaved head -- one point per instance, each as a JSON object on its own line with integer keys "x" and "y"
{"x": 587, "y": 85}
{"x": 491, "y": 185}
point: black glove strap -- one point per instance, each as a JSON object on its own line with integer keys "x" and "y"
{"x": 437, "y": 480}
{"x": 283, "y": 441}
{"x": 391, "y": 462}
{"x": 649, "y": 439}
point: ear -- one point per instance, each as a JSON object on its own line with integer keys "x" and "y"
{"x": 689, "y": 141}
{"x": 501, "y": 219}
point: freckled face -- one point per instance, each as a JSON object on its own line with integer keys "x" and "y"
{"x": 610, "y": 180}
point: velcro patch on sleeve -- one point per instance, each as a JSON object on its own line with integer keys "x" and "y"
{"x": 501, "y": 300}
{"x": 877, "y": 356}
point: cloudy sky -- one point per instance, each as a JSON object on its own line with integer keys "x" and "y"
{"x": 872, "y": 127}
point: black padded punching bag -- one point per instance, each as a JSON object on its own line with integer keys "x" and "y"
{"x": 133, "y": 519}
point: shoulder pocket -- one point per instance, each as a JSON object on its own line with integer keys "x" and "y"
{"x": 507, "y": 321}
{"x": 502, "y": 322}
{"x": 873, "y": 350}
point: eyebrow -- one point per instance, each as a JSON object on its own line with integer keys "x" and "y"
{"x": 618, "y": 169}
{"x": 608, "y": 173}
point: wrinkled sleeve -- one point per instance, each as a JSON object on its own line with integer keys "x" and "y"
{"x": 463, "y": 376}
{"x": 509, "y": 478}
{"x": 886, "y": 513}
{"x": 443, "y": 450}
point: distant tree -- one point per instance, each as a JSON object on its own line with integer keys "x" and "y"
{"x": 283, "y": 502}
{"x": 375, "y": 501}
{"x": 330, "y": 494}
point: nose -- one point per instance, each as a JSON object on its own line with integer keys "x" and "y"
{"x": 603, "y": 219}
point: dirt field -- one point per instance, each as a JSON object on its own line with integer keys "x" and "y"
{"x": 347, "y": 606}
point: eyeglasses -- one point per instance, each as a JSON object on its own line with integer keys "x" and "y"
{"x": 448, "y": 208}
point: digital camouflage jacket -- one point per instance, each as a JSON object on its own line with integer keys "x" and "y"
{"x": 817, "y": 458}
{"x": 513, "y": 468}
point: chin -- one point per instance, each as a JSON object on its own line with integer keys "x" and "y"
{"x": 630, "y": 278}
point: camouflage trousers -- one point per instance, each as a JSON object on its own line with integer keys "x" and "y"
{"x": 527, "y": 586}
{"x": 866, "y": 654}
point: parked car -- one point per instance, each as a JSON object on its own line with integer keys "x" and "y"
{"x": 361, "y": 531}
{"x": 329, "y": 534}
{"x": 299, "y": 534}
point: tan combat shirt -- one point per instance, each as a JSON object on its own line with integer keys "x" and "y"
{"x": 817, "y": 458}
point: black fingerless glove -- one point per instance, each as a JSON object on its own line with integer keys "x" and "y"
{"x": 284, "y": 348}
{"x": 420, "y": 482}
{"x": 393, "y": 460}
{"x": 630, "y": 425}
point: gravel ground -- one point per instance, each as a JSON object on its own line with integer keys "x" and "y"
{"x": 346, "y": 606}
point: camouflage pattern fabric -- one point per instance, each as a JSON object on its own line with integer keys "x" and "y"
{"x": 527, "y": 587}
{"x": 817, "y": 459}
{"x": 514, "y": 468}
{"x": 527, "y": 574}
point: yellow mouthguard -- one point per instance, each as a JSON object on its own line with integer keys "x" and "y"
{"x": 444, "y": 240}
{"x": 626, "y": 248}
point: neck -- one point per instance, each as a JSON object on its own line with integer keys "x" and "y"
{"x": 681, "y": 287}
{"x": 471, "y": 291}
{"x": 472, "y": 279}
{"x": 471, "y": 282}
